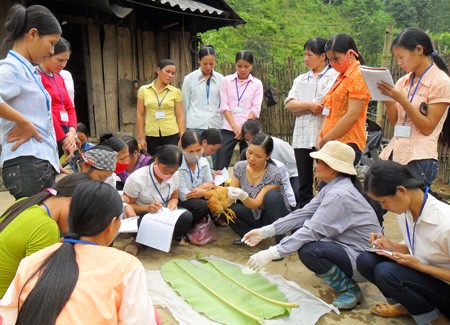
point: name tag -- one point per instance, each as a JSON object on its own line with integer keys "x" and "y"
{"x": 160, "y": 115}
{"x": 326, "y": 111}
{"x": 402, "y": 131}
{"x": 238, "y": 109}
{"x": 64, "y": 116}
{"x": 208, "y": 108}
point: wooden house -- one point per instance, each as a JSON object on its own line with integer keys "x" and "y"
{"x": 117, "y": 44}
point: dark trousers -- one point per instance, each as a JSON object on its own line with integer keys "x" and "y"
{"x": 245, "y": 221}
{"x": 197, "y": 207}
{"x": 153, "y": 143}
{"x": 27, "y": 175}
{"x": 416, "y": 291}
{"x": 182, "y": 225}
{"x": 295, "y": 184}
{"x": 225, "y": 153}
{"x": 305, "y": 176}
{"x": 320, "y": 256}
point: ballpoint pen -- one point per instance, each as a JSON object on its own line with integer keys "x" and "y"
{"x": 379, "y": 234}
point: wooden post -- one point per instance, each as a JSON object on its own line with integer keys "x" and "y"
{"x": 111, "y": 83}
{"x": 385, "y": 62}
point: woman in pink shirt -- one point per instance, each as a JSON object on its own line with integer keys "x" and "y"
{"x": 82, "y": 281}
{"x": 241, "y": 96}
{"x": 419, "y": 107}
{"x": 63, "y": 110}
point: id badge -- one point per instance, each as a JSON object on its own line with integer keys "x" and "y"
{"x": 64, "y": 116}
{"x": 402, "y": 131}
{"x": 207, "y": 108}
{"x": 160, "y": 115}
{"x": 238, "y": 109}
{"x": 326, "y": 111}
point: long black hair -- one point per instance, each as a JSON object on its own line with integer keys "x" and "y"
{"x": 189, "y": 137}
{"x": 266, "y": 142}
{"x": 212, "y": 136}
{"x": 341, "y": 43}
{"x": 62, "y": 46}
{"x": 64, "y": 188}
{"x": 115, "y": 143}
{"x": 21, "y": 20}
{"x": 93, "y": 207}
{"x": 409, "y": 39}
{"x": 169, "y": 155}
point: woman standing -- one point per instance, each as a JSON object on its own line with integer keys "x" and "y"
{"x": 257, "y": 183}
{"x": 330, "y": 231}
{"x": 63, "y": 110}
{"x": 241, "y": 96}
{"x": 160, "y": 116}
{"x": 414, "y": 276}
{"x": 346, "y": 103}
{"x": 201, "y": 93}
{"x": 29, "y": 151}
{"x": 305, "y": 100}
{"x": 195, "y": 177}
{"x": 83, "y": 281}
{"x": 420, "y": 107}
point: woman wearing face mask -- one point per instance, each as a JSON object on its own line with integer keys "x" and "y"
{"x": 195, "y": 177}
{"x": 63, "y": 110}
{"x": 151, "y": 188}
{"x": 160, "y": 117}
{"x": 346, "y": 103}
{"x": 419, "y": 110}
{"x": 123, "y": 155}
{"x": 29, "y": 151}
{"x": 98, "y": 162}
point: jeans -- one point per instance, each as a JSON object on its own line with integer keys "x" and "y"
{"x": 418, "y": 292}
{"x": 320, "y": 256}
{"x": 27, "y": 175}
{"x": 225, "y": 153}
{"x": 424, "y": 170}
{"x": 245, "y": 221}
{"x": 305, "y": 176}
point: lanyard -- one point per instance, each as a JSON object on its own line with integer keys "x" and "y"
{"x": 411, "y": 243}
{"x": 208, "y": 86}
{"x": 157, "y": 98}
{"x": 237, "y": 90}
{"x": 79, "y": 241}
{"x": 47, "y": 209}
{"x": 154, "y": 184}
{"x": 417, "y": 86}
{"x": 192, "y": 175}
{"x": 320, "y": 75}
{"x": 47, "y": 96}
{"x": 55, "y": 85}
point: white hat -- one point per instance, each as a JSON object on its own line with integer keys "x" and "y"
{"x": 338, "y": 156}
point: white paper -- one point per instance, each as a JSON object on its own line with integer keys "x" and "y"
{"x": 156, "y": 229}
{"x": 129, "y": 225}
{"x": 372, "y": 76}
{"x": 307, "y": 92}
{"x": 219, "y": 179}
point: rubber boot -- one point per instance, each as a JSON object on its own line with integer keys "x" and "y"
{"x": 350, "y": 293}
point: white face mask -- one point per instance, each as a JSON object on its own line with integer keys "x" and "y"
{"x": 192, "y": 158}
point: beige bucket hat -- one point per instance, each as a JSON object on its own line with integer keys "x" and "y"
{"x": 338, "y": 156}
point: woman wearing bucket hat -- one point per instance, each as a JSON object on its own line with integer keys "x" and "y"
{"x": 331, "y": 230}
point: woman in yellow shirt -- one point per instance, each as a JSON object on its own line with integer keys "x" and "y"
{"x": 160, "y": 117}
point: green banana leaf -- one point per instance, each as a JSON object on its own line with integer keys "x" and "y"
{"x": 223, "y": 293}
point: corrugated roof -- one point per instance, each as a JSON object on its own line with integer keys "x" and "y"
{"x": 189, "y": 5}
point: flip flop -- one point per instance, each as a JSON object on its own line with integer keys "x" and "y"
{"x": 131, "y": 249}
{"x": 387, "y": 310}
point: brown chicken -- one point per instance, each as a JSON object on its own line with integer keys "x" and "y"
{"x": 219, "y": 203}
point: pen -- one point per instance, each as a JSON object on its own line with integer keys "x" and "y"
{"x": 379, "y": 234}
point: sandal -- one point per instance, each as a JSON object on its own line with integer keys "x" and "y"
{"x": 132, "y": 248}
{"x": 220, "y": 223}
{"x": 387, "y": 310}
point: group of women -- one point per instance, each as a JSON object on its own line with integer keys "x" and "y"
{"x": 329, "y": 232}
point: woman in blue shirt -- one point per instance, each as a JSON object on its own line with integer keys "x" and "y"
{"x": 29, "y": 151}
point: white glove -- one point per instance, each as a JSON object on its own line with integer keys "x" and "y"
{"x": 259, "y": 260}
{"x": 235, "y": 193}
{"x": 254, "y": 237}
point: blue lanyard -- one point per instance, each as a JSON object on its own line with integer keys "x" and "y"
{"x": 208, "y": 86}
{"x": 47, "y": 96}
{"x": 320, "y": 75}
{"x": 237, "y": 90}
{"x": 157, "y": 98}
{"x": 55, "y": 85}
{"x": 192, "y": 175}
{"x": 79, "y": 241}
{"x": 415, "y": 89}
{"x": 47, "y": 209}
{"x": 156, "y": 187}
{"x": 412, "y": 243}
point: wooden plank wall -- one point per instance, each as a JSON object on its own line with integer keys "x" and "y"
{"x": 110, "y": 63}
